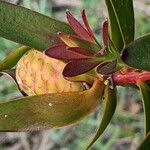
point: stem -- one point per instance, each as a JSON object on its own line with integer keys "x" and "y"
{"x": 130, "y": 76}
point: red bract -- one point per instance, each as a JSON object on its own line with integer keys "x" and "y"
{"x": 79, "y": 67}
{"x": 77, "y": 48}
{"x": 64, "y": 53}
{"x": 85, "y": 33}
{"x": 105, "y": 32}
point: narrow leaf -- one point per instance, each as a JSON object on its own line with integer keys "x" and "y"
{"x": 28, "y": 27}
{"x": 74, "y": 41}
{"x": 82, "y": 51}
{"x": 50, "y": 110}
{"x": 61, "y": 52}
{"x": 146, "y": 143}
{"x": 75, "y": 68}
{"x": 78, "y": 28}
{"x": 145, "y": 92}
{"x": 110, "y": 99}
{"x": 86, "y": 24}
{"x": 107, "y": 68}
{"x": 13, "y": 57}
{"x": 123, "y": 11}
{"x": 105, "y": 32}
{"x": 114, "y": 30}
{"x": 86, "y": 78}
{"x": 137, "y": 53}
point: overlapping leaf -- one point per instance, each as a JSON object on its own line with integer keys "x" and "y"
{"x": 114, "y": 30}
{"x": 137, "y": 53}
{"x": 123, "y": 10}
{"x": 78, "y": 67}
{"x": 28, "y": 27}
{"x": 121, "y": 17}
{"x": 49, "y": 110}
{"x": 12, "y": 59}
{"x": 145, "y": 92}
{"x": 63, "y": 52}
{"x": 107, "y": 68}
{"x": 75, "y": 41}
{"x": 105, "y": 32}
{"x": 110, "y": 107}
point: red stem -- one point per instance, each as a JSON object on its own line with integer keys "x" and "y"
{"x": 130, "y": 76}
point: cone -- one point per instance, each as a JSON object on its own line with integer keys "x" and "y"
{"x": 37, "y": 73}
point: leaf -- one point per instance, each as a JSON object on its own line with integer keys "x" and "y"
{"x": 110, "y": 99}
{"x": 50, "y": 110}
{"x": 121, "y": 19}
{"x": 78, "y": 28}
{"x": 61, "y": 52}
{"x": 123, "y": 11}
{"x": 74, "y": 41}
{"x": 29, "y": 28}
{"x": 114, "y": 30}
{"x": 137, "y": 53}
{"x": 86, "y": 24}
{"x": 87, "y": 78}
{"x": 145, "y": 92}
{"x": 78, "y": 67}
{"x": 13, "y": 57}
{"x": 105, "y": 32}
{"x": 82, "y": 51}
{"x": 107, "y": 67}
{"x": 146, "y": 143}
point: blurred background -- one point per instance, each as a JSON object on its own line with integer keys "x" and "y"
{"x": 126, "y": 129}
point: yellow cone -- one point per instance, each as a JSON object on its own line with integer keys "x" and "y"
{"x": 38, "y": 74}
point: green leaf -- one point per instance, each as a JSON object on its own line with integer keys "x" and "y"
{"x": 137, "y": 53}
{"x": 123, "y": 10}
{"x": 145, "y": 92}
{"x": 86, "y": 77}
{"x": 146, "y": 143}
{"x": 114, "y": 30}
{"x": 28, "y": 27}
{"x": 110, "y": 99}
{"x": 121, "y": 16}
{"x": 13, "y": 57}
{"x": 50, "y": 110}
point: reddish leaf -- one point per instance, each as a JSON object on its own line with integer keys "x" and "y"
{"x": 105, "y": 32}
{"x": 82, "y": 51}
{"x": 107, "y": 67}
{"x": 79, "y": 67}
{"x": 86, "y": 24}
{"x": 75, "y": 41}
{"x": 61, "y": 52}
{"x": 78, "y": 28}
